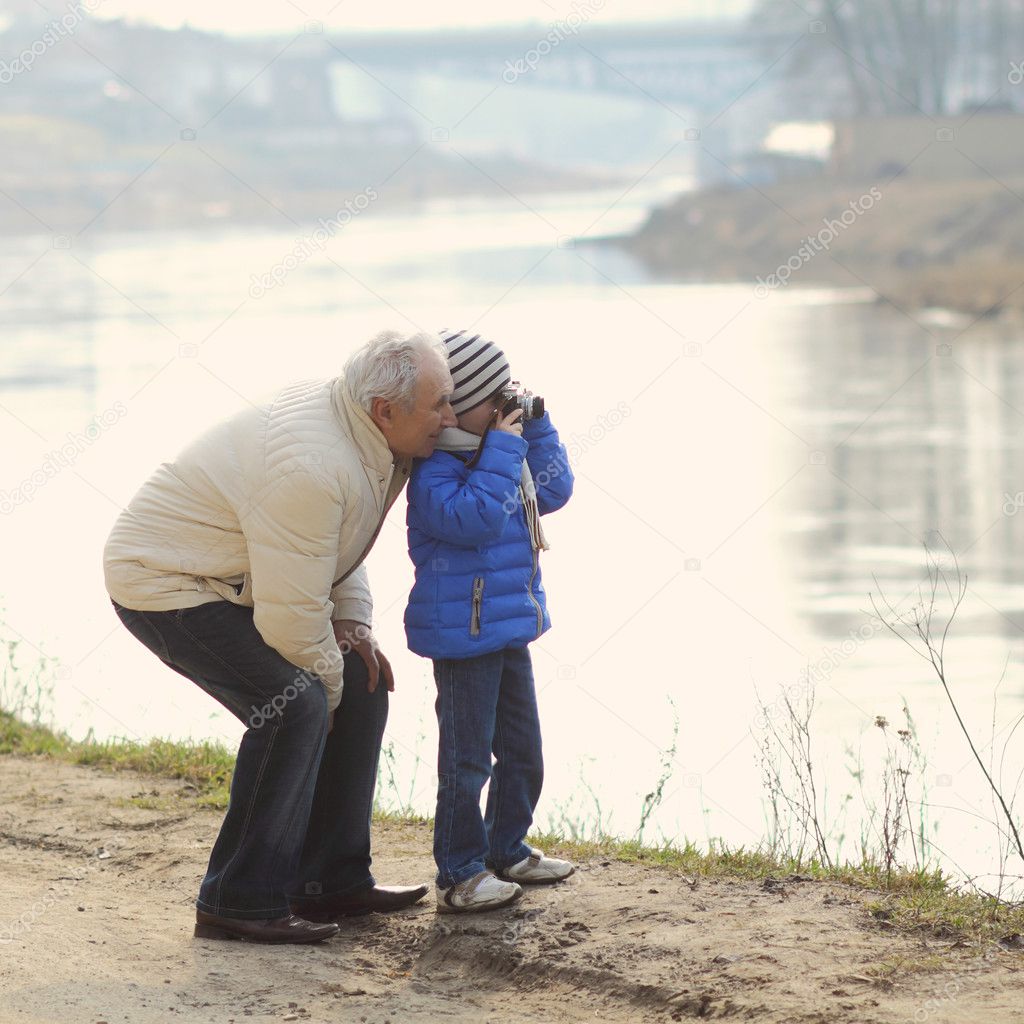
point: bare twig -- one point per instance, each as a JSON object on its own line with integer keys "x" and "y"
{"x": 919, "y": 626}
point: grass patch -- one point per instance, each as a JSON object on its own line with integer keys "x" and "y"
{"x": 950, "y": 914}
{"x": 906, "y": 900}
{"x": 721, "y": 861}
{"x": 205, "y": 766}
{"x": 888, "y": 971}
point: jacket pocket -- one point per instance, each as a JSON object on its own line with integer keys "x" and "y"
{"x": 478, "y": 601}
{"x": 236, "y": 583}
{"x": 236, "y": 589}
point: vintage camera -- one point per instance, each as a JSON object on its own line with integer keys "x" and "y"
{"x": 514, "y": 396}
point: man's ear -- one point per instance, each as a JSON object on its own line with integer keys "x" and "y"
{"x": 382, "y": 412}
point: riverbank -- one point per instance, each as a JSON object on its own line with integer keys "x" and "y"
{"x": 56, "y": 183}
{"x": 101, "y": 863}
{"x": 914, "y": 243}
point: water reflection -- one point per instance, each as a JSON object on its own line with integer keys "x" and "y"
{"x": 921, "y": 443}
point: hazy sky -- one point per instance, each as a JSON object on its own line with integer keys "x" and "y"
{"x": 283, "y": 15}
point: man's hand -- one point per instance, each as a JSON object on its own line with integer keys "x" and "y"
{"x": 355, "y": 636}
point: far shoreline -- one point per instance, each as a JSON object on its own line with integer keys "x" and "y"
{"x": 949, "y": 245}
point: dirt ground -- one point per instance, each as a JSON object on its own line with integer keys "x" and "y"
{"x": 96, "y": 915}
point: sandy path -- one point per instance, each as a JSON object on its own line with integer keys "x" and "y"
{"x": 85, "y": 938}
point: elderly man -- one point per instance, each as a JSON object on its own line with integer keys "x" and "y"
{"x": 239, "y": 564}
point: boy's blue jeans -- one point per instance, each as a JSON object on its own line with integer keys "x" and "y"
{"x": 485, "y": 705}
{"x": 297, "y": 827}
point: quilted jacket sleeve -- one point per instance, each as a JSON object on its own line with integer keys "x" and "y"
{"x": 549, "y": 465}
{"x": 352, "y": 598}
{"x": 471, "y": 509}
{"x": 292, "y": 533}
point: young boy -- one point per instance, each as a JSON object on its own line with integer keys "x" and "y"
{"x": 475, "y": 538}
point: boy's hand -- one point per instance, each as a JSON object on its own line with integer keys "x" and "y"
{"x": 510, "y": 424}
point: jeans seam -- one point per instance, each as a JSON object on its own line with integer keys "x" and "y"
{"x": 519, "y": 664}
{"x": 248, "y": 813}
{"x": 450, "y": 824}
{"x": 366, "y": 812}
{"x": 291, "y": 817}
{"x": 447, "y": 674}
{"x": 499, "y": 797}
{"x": 224, "y": 664}
{"x": 164, "y": 653}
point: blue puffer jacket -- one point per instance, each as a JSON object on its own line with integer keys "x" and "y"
{"x": 478, "y": 583}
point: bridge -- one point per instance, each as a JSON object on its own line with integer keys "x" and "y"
{"x": 698, "y": 67}
{"x": 707, "y": 82}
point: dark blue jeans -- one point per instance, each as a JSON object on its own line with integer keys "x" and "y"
{"x": 485, "y": 705}
{"x": 297, "y": 827}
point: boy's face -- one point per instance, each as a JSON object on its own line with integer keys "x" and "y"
{"x": 477, "y": 418}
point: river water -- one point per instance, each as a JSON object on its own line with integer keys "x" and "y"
{"x": 749, "y": 471}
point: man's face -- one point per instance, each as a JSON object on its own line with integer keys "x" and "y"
{"x": 414, "y": 432}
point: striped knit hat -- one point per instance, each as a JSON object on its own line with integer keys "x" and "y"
{"x": 478, "y": 368}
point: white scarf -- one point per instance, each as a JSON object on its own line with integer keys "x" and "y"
{"x": 455, "y": 439}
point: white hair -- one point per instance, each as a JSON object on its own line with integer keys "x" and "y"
{"x": 388, "y": 366}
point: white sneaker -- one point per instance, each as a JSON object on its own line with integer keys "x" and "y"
{"x": 538, "y": 869}
{"x": 481, "y": 892}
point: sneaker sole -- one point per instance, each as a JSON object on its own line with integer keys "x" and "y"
{"x": 479, "y": 908}
{"x": 536, "y": 881}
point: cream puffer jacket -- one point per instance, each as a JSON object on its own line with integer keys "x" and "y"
{"x": 275, "y": 509}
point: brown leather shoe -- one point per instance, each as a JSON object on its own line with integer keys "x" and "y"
{"x": 271, "y": 930}
{"x": 373, "y": 899}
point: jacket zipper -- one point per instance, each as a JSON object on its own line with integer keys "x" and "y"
{"x": 380, "y": 523}
{"x": 536, "y": 603}
{"x": 478, "y": 600}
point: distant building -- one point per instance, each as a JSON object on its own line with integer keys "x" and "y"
{"x": 765, "y": 168}
{"x": 878, "y": 148}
